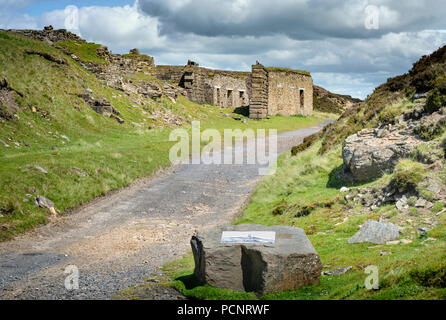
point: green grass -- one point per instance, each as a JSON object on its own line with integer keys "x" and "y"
{"x": 289, "y": 70}
{"x": 308, "y": 181}
{"x": 84, "y": 51}
{"x": 187, "y": 284}
{"x": 408, "y": 174}
{"x": 139, "y": 56}
{"x": 100, "y": 155}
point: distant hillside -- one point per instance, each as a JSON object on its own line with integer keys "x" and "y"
{"x": 326, "y": 101}
{"x": 425, "y": 82}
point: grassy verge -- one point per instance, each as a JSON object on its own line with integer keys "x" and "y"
{"x": 305, "y": 194}
{"x": 84, "y": 51}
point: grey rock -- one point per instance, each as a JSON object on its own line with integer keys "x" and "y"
{"x": 422, "y": 231}
{"x": 420, "y": 95}
{"x": 120, "y": 120}
{"x": 421, "y": 203}
{"x": 101, "y": 106}
{"x": 380, "y": 133}
{"x": 344, "y": 190}
{"x": 337, "y": 272}
{"x": 43, "y": 202}
{"x": 4, "y": 143}
{"x": 428, "y": 240}
{"x": 400, "y": 205}
{"x": 41, "y": 169}
{"x": 367, "y": 156}
{"x": 289, "y": 264}
{"x": 376, "y": 232}
{"x": 434, "y": 188}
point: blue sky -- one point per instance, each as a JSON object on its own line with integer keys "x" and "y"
{"x": 338, "y": 41}
{"x": 36, "y": 8}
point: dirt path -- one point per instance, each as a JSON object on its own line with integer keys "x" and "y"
{"x": 119, "y": 240}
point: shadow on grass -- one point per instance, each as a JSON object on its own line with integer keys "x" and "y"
{"x": 244, "y": 111}
{"x": 339, "y": 177}
{"x": 190, "y": 281}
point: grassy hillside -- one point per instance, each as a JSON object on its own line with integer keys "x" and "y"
{"x": 326, "y": 101}
{"x": 85, "y": 154}
{"x": 305, "y": 193}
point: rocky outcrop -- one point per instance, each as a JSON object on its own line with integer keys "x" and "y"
{"x": 372, "y": 152}
{"x": 101, "y": 106}
{"x": 376, "y": 232}
{"x": 8, "y": 105}
{"x": 49, "y": 35}
{"x": 46, "y": 56}
{"x": 288, "y": 264}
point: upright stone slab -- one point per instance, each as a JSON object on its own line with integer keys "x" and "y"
{"x": 288, "y": 264}
{"x": 376, "y": 232}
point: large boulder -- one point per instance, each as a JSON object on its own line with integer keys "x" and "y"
{"x": 376, "y": 232}
{"x": 372, "y": 152}
{"x": 288, "y": 264}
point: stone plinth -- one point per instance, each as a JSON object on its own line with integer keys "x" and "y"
{"x": 288, "y": 264}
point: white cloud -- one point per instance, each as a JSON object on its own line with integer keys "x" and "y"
{"x": 347, "y": 65}
{"x": 298, "y": 19}
{"x": 14, "y": 4}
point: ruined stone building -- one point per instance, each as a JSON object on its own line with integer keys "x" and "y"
{"x": 267, "y": 91}
{"x": 227, "y": 89}
{"x": 280, "y": 91}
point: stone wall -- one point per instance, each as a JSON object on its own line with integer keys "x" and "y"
{"x": 119, "y": 66}
{"x": 218, "y": 87}
{"x": 258, "y": 108}
{"x": 290, "y": 92}
{"x": 229, "y": 92}
{"x": 173, "y": 74}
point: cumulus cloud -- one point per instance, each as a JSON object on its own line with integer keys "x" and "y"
{"x": 298, "y": 19}
{"x": 330, "y": 41}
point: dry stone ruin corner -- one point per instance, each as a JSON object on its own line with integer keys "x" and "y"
{"x": 267, "y": 91}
